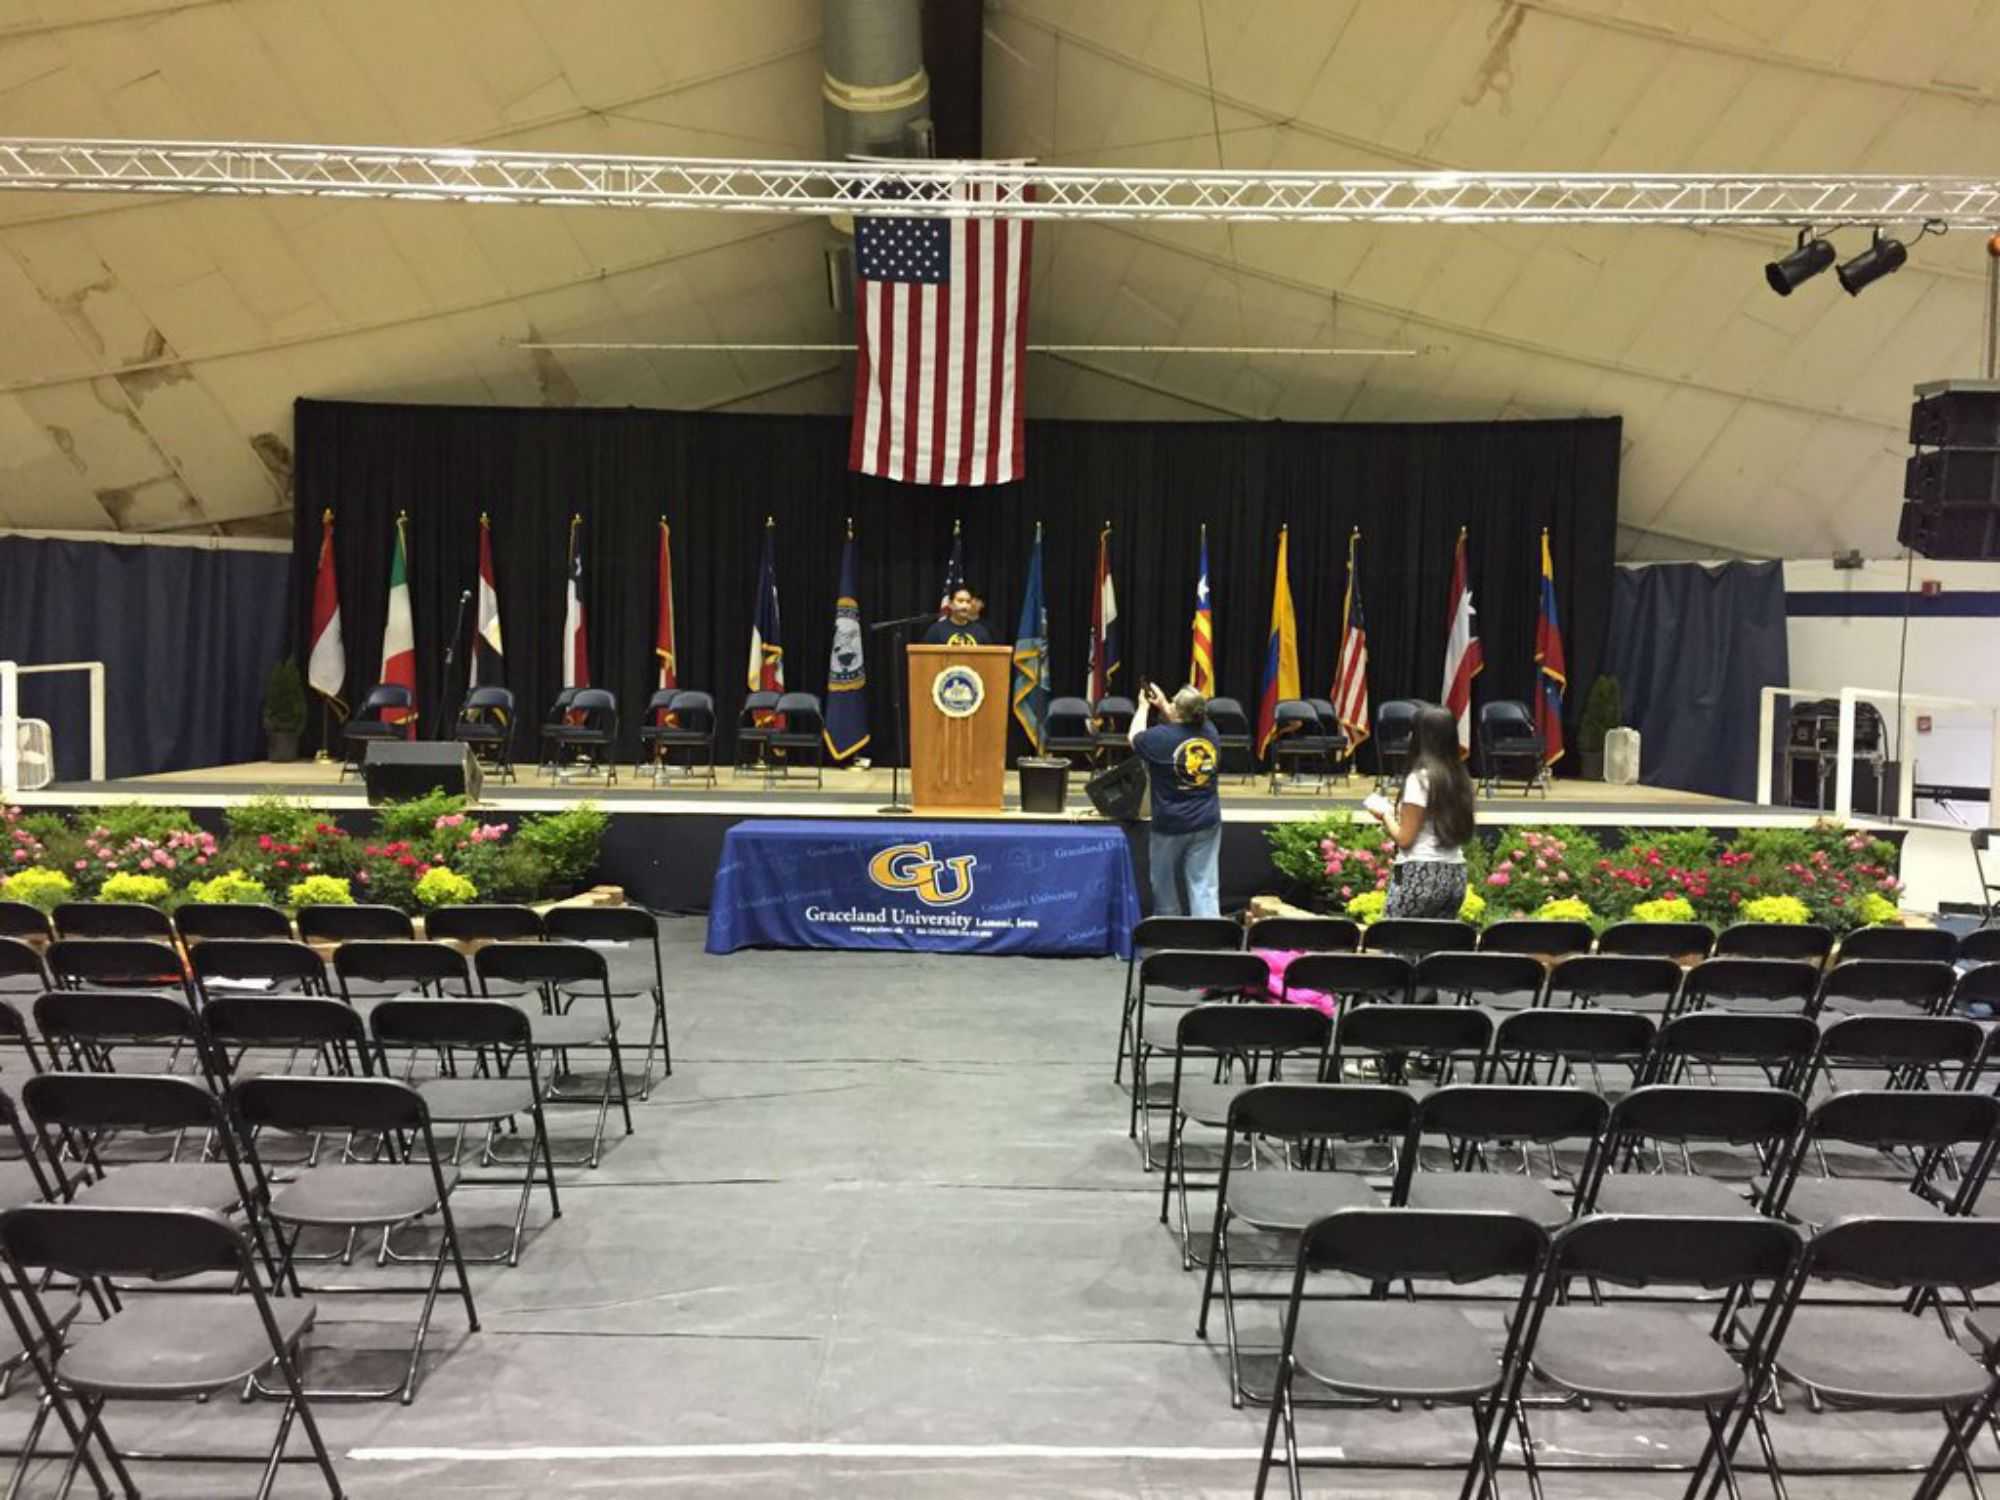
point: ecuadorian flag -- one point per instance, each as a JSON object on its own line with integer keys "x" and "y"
{"x": 1281, "y": 652}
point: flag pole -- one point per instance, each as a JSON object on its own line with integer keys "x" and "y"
{"x": 325, "y": 757}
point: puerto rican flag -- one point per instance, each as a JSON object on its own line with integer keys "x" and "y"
{"x": 1464, "y": 659}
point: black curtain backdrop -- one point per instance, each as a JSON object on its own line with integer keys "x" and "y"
{"x": 717, "y": 477}
{"x": 187, "y": 636}
{"x": 1691, "y": 648}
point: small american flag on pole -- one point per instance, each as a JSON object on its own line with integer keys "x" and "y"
{"x": 942, "y": 326}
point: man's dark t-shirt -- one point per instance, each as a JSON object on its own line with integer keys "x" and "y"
{"x": 945, "y": 633}
{"x": 1182, "y": 763}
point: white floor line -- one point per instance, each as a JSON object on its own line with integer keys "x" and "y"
{"x": 561, "y": 1453}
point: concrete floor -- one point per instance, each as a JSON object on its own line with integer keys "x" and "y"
{"x": 881, "y": 1234}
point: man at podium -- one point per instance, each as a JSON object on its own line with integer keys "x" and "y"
{"x": 958, "y": 627}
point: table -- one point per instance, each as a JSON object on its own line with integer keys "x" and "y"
{"x": 924, "y": 887}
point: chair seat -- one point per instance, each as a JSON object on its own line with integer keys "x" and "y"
{"x": 1395, "y": 1349}
{"x": 1879, "y": 1358}
{"x": 572, "y": 1030}
{"x": 1208, "y": 1103}
{"x": 364, "y": 1194}
{"x": 169, "y": 1346}
{"x": 1984, "y": 1326}
{"x": 1277, "y": 1199}
{"x": 1817, "y": 1201}
{"x": 165, "y": 1185}
{"x": 1497, "y": 1192}
{"x": 455, "y": 1101}
{"x": 1654, "y": 1357}
{"x": 18, "y": 1185}
{"x": 1670, "y": 1193}
{"x": 371, "y": 729}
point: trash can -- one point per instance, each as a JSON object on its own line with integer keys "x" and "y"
{"x": 1044, "y": 784}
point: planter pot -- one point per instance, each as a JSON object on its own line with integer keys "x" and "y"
{"x": 1590, "y": 764}
{"x": 282, "y": 745}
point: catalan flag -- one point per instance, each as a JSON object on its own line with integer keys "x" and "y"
{"x": 1201, "y": 662}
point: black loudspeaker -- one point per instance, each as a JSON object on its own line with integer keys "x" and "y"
{"x": 1952, "y": 483}
{"x": 1971, "y": 532}
{"x": 1956, "y": 414}
{"x": 400, "y": 769}
{"x": 1119, "y": 791}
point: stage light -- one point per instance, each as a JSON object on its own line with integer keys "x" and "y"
{"x": 1810, "y": 258}
{"x": 1871, "y": 265}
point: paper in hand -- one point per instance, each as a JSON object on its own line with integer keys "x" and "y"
{"x": 1378, "y": 804}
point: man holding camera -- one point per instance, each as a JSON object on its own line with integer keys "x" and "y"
{"x": 1182, "y": 757}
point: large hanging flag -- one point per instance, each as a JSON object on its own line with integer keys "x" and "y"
{"x": 767, "y": 654}
{"x": 326, "y": 663}
{"x": 1463, "y": 657}
{"x": 575, "y": 637}
{"x": 489, "y": 666}
{"x": 1103, "y": 622}
{"x": 1281, "y": 651}
{"x": 663, "y": 630}
{"x": 954, "y": 572}
{"x": 399, "y": 635}
{"x": 941, "y": 318}
{"x": 1031, "y": 653}
{"x": 1350, "y": 677}
{"x": 1551, "y": 669}
{"x": 846, "y": 728}
{"x": 1201, "y": 657}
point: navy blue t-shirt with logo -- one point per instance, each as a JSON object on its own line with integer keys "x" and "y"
{"x": 1182, "y": 763}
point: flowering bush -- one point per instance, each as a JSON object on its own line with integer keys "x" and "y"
{"x": 46, "y": 889}
{"x": 231, "y": 888}
{"x": 1874, "y": 909}
{"x": 1566, "y": 909}
{"x": 1366, "y": 908}
{"x": 1534, "y": 866}
{"x": 1473, "y": 908}
{"x": 1789, "y": 910}
{"x": 152, "y": 890}
{"x": 320, "y": 890}
{"x": 443, "y": 887}
{"x": 1330, "y": 860}
{"x": 1665, "y": 909}
{"x": 21, "y": 845}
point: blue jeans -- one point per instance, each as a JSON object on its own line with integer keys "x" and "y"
{"x": 1189, "y": 860}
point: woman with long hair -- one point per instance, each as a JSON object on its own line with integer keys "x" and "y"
{"x": 1431, "y": 823}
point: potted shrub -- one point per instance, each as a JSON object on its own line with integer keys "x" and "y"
{"x": 284, "y": 710}
{"x": 1603, "y": 711}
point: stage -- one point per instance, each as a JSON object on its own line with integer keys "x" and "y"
{"x": 664, "y": 842}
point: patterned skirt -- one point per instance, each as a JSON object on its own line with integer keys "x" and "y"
{"x": 1426, "y": 888}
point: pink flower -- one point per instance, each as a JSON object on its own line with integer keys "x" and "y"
{"x": 1562, "y": 877}
{"x": 264, "y": 842}
{"x": 284, "y": 864}
{"x": 1346, "y": 892}
{"x": 1499, "y": 877}
{"x": 201, "y": 859}
{"x": 20, "y": 855}
{"x": 146, "y": 863}
{"x": 362, "y": 877}
{"x": 82, "y": 863}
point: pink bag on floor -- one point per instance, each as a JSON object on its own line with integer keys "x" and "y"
{"x": 1276, "y": 962}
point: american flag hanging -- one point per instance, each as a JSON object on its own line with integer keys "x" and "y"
{"x": 942, "y": 326}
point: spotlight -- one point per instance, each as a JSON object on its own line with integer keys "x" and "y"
{"x": 1871, "y": 265}
{"x": 1810, "y": 258}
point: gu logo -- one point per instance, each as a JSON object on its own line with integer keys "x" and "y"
{"x": 911, "y": 867}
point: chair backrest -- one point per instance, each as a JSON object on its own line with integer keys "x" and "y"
{"x": 20, "y": 920}
{"x": 1352, "y": 976}
{"x": 1204, "y": 969}
{"x": 347, "y": 924}
{"x": 1657, "y": 939}
{"x": 492, "y": 923}
{"x": 1640, "y": 1250}
{"x": 1240, "y": 1030}
{"x": 284, "y": 1021}
{"x": 1778, "y": 981}
{"x": 1326, "y": 1111}
{"x": 1298, "y": 712}
{"x": 405, "y": 962}
{"x": 108, "y": 1016}
{"x": 1417, "y": 936}
{"x": 1209, "y": 934}
{"x": 659, "y": 703}
{"x": 564, "y": 701}
{"x": 1550, "y": 938}
{"x": 763, "y": 701}
{"x": 694, "y": 708}
{"x": 1807, "y": 940}
{"x": 1907, "y": 1118}
{"x": 1507, "y": 719}
{"x": 1446, "y": 1030}
{"x": 1914, "y": 982}
{"x": 1901, "y": 1041}
{"x": 280, "y": 960}
{"x": 1329, "y": 717}
{"x": 804, "y": 718}
{"x": 1978, "y": 947}
{"x": 1395, "y": 720}
{"x": 1471, "y": 974}
{"x": 541, "y": 963}
{"x": 20, "y": 961}
{"x": 450, "y": 1023}
{"x": 140, "y": 961}
{"x": 200, "y": 921}
{"x": 119, "y": 1101}
{"x": 81, "y": 1240}
{"x": 488, "y": 700}
{"x": 600, "y": 701}
{"x": 1906, "y": 1253}
{"x": 385, "y": 696}
{"x": 1600, "y": 1036}
{"x": 1512, "y": 1112}
{"x": 1304, "y": 935}
{"x": 1114, "y": 706}
{"x": 603, "y": 924}
{"x": 1228, "y": 717}
{"x": 112, "y": 919}
{"x": 1396, "y": 1244}
{"x": 1682, "y": 1113}
{"x": 1922, "y": 944}
{"x": 1069, "y": 716}
{"x": 1716, "y": 1036}
{"x": 287, "y": 1102}
{"x": 1591, "y": 975}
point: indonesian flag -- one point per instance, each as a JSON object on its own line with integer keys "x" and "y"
{"x": 1103, "y": 622}
{"x": 575, "y": 644}
{"x": 663, "y": 634}
{"x": 1463, "y": 658}
{"x": 399, "y": 635}
{"x": 326, "y": 666}
{"x": 487, "y": 666}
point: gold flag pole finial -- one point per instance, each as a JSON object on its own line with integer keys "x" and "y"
{"x": 1038, "y": 531}
{"x": 850, "y": 528}
{"x": 955, "y": 524}
{"x": 326, "y": 516}
{"x": 770, "y": 523}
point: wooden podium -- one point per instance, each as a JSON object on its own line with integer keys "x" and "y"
{"x": 958, "y": 727}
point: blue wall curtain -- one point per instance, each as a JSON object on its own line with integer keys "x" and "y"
{"x": 1691, "y": 648}
{"x": 187, "y": 636}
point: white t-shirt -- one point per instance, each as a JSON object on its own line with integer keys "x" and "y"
{"x": 1427, "y": 844}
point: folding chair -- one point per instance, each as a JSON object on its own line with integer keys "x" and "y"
{"x": 1753, "y": 984}
{"x": 486, "y": 723}
{"x": 1476, "y": 1120}
{"x": 1899, "y": 1052}
{"x": 118, "y": 963}
{"x": 1395, "y": 724}
{"x": 607, "y": 926}
{"x": 112, "y": 919}
{"x": 158, "y": 1348}
{"x": 1801, "y": 940}
{"x": 1644, "y": 984}
{"x": 25, "y": 923}
{"x": 1339, "y": 750}
{"x": 329, "y": 1029}
{"x": 1240, "y": 1044}
{"x": 1767, "y": 1121}
{"x": 22, "y": 972}
{"x": 1676, "y": 940}
{"x": 483, "y": 923}
{"x": 1546, "y": 1046}
{"x": 1353, "y": 978}
{"x": 1633, "y": 1353}
{"x": 1507, "y": 733}
{"x": 369, "y": 972}
{"x": 1187, "y": 976}
{"x": 1976, "y": 995}
{"x": 753, "y": 731}
{"x": 1878, "y": 986}
{"x": 352, "y": 924}
{"x": 199, "y": 922}
{"x": 357, "y": 1195}
{"x": 85, "y": 1029}
{"x": 802, "y": 737}
{"x": 574, "y": 984}
{"x": 1492, "y": 980}
{"x": 1308, "y": 1122}
{"x": 494, "y": 1033}
{"x": 371, "y": 723}
{"x": 1385, "y": 1352}
{"x": 1158, "y": 934}
{"x": 1782, "y": 1047}
{"x": 1069, "y": 734}
{"x": 684, "y": 721}
{"x": 1414, "y": 937}
{"x": 1299, "y": 743}
{"x": 1382, "y": 1038}
{"x": 1232, "y": 737}
{"x": 1891, "y": 940}
{"x": 1980, "y": 946}
{"x": 1910, "y": 1138}
{"x": 586, "y": 727}
{"x": 1111, "y": 719}
{"x": 1882, "y": 1357}
{"x": 1544, "y": 937}
{"x": 1300, "y": 934}
{"x": 265, "y": 966}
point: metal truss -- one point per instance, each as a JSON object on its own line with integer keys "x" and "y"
{"x": 991, "y": 189}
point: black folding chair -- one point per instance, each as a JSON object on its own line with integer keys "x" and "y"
{"x": 22, "y": 972}
{"x": 639, "y": 929}
{"x": 1548, "y": 1046}
{"x": 1232, "y": 736}
{"x": 484, "y": 923}
{"x": 200, "y": 922}
{"x": 112, "y": 919}
{"x": 1307, "y": 1123}
{"x": 1497, "y": 981}
{"x": 1480, "y": 1121}
{"x": 1542, "y": 936}
{"x": 753, "y": 731}
{"x": 1676, "y": 940}
{"x": 799, "y": 738}
{"x": 1395, "y": 723}
{"x": 330, "y": 1030}
{"x": 1111, "y": 720}
{"x": 1379, "y": 1040}
{"x": 486, "y": 723}
{"x": 354, "y": 924}
{"x": 1980, "y": 946}
{"x": 1766, "y": 985}
{"x": 1069, "y": 733}
{"x": 1765, "y": 1121}
{"x": 158, "y": 1348}
{"x": 1885, "y": 986}
{"x": 1300, "y": 934}
{"x": 1910, "y": 1139}
{"x": 1899, "y": 1052}
{"x": 679, "y": 719}
{"x": 1384, "y": 1352}
{"x": 25, "y": 923}
{"x": 1644, "y": 984}
{"x": 118, "y": 963}
{"x": 1414, "y": 937}
{"x": 1300, "y": 748}
{"x": 1353, "y": 978}
{"x": 357, "y": 1196}
{"x": 1507, "y": 736}
{"x": 1934, "y": 945}
{"x": 586, "y": 730}
{"x": 369, "y": 972}
{"x": 24, "y": 1176}
{"x": 1186, "y": 977}
{"x": 1158, "y": 934}
{"x": 1801, "y": 940}
{"x": 1780, "y": 1047}
{"x": 574, "y": 984}
{"x": 265, "y": 966}
{"x": 86, "y": 1029}
{"x": 371, "y": 723}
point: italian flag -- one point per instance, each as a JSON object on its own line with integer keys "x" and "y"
{"x": 399, "y": 636}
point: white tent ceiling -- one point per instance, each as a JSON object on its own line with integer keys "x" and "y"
{"x": 154, "y": 346}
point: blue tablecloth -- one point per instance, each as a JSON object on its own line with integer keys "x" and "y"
{"x": 925, "y": 887}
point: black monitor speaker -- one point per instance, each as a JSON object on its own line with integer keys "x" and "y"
{"x": 397, "y": 770}
{"x": 1119, "y": 791}
{"x": 1951, "y": 484}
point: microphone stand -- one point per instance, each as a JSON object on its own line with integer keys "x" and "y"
{"x": 900, "y": 645}
{"x": 451, "y": 656}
